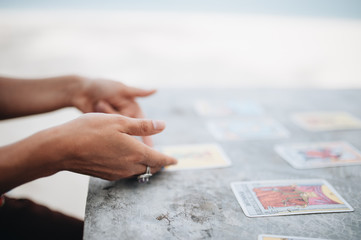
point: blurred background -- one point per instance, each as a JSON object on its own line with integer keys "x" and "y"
{"x": 168, "y": 44}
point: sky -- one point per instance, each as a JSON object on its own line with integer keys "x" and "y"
{"x": 313, "y": 8}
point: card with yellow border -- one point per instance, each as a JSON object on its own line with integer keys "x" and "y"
{"x": 288, "y": 197}
{"x": 196, "y": 156}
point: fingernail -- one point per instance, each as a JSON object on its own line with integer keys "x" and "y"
{"x": 158, "y": 124}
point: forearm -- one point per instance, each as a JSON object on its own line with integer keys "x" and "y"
{"x": 34, "y": 157}
{"x": 19, "y": 97}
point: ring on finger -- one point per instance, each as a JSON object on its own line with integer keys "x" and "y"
{"x": 144, "y": 178}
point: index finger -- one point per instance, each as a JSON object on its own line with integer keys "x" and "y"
{"x": 147, "y": 140}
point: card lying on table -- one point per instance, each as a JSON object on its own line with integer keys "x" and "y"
{"x": 196, "y": 156}
{"x": 247, "y": 129}
{"x": 280, "y": 237}
{"x": 288, "y": 197}
{"x": 319, "y": 155}
{"x": 228, "y": 108}
{"x": 326, "y": 121}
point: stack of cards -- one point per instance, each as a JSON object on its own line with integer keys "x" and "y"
{"x": 326, "y": 121}
{"x": 246, "y": 129}
{"x": 279, "y": 237}
{"x": 196, "y": 156}
{"x": 288, "y": 197}
{"x": 318, "y": 155}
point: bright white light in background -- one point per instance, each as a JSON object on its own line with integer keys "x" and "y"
{"x": 183, "y": 49}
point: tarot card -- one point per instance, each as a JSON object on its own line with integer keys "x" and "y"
{"x": 280, "y": 237}
{"x": 196, "y": 156}
{"x": 246, "y": 129}
{"x": 228, "y": 108}
{"x": 319, "y": 155}
{"x": 288, "y": 197}
{"x": 326, "y": 121}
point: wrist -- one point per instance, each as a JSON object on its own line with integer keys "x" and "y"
{"x": 79, "y": 93}
{"x": 45, "y": 151}
{"x": 75, "y": 90}
{"x": 63, "y": 147}
{"x": 29, "y": 159}
{"x": 53, "y": 149}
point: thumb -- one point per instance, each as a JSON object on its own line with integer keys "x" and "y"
{"x": 138, "y": 92}
{"x": 104, "y": 107}
{"x": 143, "y": 127}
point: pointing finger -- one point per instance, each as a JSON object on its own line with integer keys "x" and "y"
{"x": 142, "y": 127}
{"x": 138, "y": 92}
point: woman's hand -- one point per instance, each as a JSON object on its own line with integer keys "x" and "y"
{"x": 96, "y": 144}
{"x": 102, "y": 145}
{"x": 99, "y": 95}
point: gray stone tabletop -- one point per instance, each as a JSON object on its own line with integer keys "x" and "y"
{"x": 199, "y": 204}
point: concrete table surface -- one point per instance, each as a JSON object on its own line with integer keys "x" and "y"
{"x": 199, "y": 204}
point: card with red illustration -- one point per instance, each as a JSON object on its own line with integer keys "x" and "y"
{"x": 319, "y": 154}
{"x": 288, "y": 197}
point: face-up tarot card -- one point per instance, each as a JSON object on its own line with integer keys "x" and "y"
{"x": 288, "y": 197}
{"x": 326, "y": 121}
{"x": 196, "y": 156}
{"x": 318, "y": 155}
{"x": 246, "y": 129}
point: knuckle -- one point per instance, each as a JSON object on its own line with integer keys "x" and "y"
{"x": 145, "y": 157}
{"x": 144, "y": 126}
